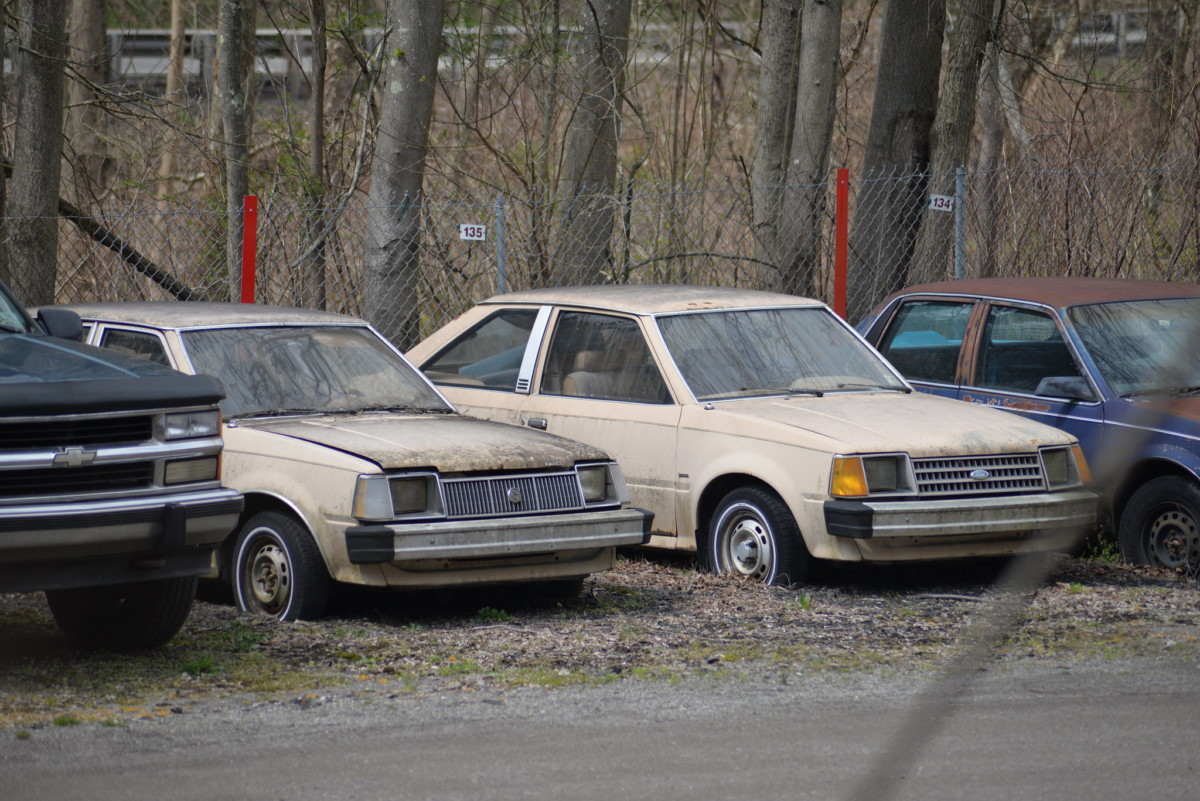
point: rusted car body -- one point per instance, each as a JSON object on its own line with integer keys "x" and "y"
{"x": 1112, "y": 361}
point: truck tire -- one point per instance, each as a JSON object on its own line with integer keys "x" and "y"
{"x": 123, "y": 617}
{"x": 278, "y": 570}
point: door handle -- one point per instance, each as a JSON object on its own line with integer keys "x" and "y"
{"x": 535, "y": 422}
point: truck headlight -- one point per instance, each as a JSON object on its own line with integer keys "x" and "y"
{"x": 186, "y": 471}
{"x": 192, "y": 425}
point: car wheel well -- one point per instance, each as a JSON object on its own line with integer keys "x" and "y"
{"x": 717, "y": 489}
{"x": 255, "y": 503}
{"x": 1138, "y": 476}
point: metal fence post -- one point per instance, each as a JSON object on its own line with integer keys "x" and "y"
{"x": 960, "y": 200}
{"x": 501, "y": 267}
{"x": 249, "y": 247}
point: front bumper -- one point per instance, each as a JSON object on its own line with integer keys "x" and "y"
{"x": 494, "y": 537}
{"x": 1018, "y": 515}
{"x": 56, "y": 546}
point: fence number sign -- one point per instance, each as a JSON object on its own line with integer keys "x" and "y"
{"x": 938, "y": 203}
{"x": 472, "y": 232}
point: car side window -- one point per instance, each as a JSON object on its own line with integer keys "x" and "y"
{"x": 604, "y": 357}
{"x": 924, "y": 338}
{"x": 135, "y": 343}
{"x": 1021, "y": 348}
{"x": 488, "y": 355}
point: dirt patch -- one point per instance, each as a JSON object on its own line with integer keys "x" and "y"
{"x": 647, "y": 619}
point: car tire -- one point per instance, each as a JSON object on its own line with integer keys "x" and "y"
{"x": 753, "y": 534}
{"x": 1160, "y": 525}
{"x": 277, "y": 569}
{"x": 123, "y": 617}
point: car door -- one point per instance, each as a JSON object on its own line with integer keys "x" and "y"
{"x": 599, "y": 383}
{"x": 1024, "y": 363}
{"x": 926, "y": 340}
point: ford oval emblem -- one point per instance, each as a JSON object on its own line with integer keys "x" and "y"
{"x": 980, "y": 475}
{"x": 514, "y": 496}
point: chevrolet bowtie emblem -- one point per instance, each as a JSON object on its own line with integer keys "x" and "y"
{"x": 74, "y": 456}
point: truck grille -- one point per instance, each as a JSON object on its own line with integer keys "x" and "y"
{"x": 1004, "y": 475}
{"x": 497, "y": 496}
{"x": 66, "y": 480}
{"x": 42, "y": 435}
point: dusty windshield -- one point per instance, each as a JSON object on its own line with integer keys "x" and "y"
{"x": 11, "y": 317}
{"x": 740, "y": 353}
{"x": 277, "y": 370}
{"x": 1144, "y": 347}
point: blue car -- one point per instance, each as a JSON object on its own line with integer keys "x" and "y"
{"x": 1116, "y": 362}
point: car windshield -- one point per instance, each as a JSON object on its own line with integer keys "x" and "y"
{"x": 742, "y": 352}
{"x": 1143, "y": 347}
{"x": 294, "y": 369}
{"x": 11, "y": 317}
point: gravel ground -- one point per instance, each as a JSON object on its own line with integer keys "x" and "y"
{"x": 648, "y": 619}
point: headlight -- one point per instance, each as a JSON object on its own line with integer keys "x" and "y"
{"x": 186, "y": 471}
{"x": 593, "y": 480}
{"x": 1065, "y": 466}
{"x": 192, "y": 425}
{"x": 856, "y": 476}
{"x": 380, "y": 497}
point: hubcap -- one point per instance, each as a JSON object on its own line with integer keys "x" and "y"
{"x": 269, "y": 578}
{"x": 746, "y": 547}
{"x": 1174, "y": 539}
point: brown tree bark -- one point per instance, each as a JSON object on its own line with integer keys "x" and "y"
{"x": 37, "y": 150}
{"x": 884, "y": 227}
{"x": 236, "y": 17}
{"x": 87, "y": 50}
{"x": 951, "y": 135}
{"x": 393, "y": 242}
{"x": 589, "y": 174}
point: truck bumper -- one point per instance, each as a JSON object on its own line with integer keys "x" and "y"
{"x": 56, "y": 546}
{"x": 1047, "y": 513}
{"x": 511, "y": 536}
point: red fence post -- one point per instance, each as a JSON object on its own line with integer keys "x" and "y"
{"x": 841, "y": 247}
{"x": 249, "y": 246}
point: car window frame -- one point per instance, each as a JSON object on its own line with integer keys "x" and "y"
{"x": 636, "y": 322}
{"x": 966, "y": 345}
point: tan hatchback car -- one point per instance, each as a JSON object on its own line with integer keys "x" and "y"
{"x": 355, "y": 468}
{"x": 761, "y": 430}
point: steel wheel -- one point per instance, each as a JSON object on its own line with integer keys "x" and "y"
{"x": 277, "y": 569}
{"x": 754, "y": 535}
{"x": 1161, "y": 524}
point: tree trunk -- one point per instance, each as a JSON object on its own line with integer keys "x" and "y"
{"x": 1165, "y": 49}
{"x": 5, "y": 275}
{"x": 414, "y": 33}
{"x": 952, "y": 135}
{"x": 314, "y": 291}
{"x": 590, "y": 156}
{"x": 897, "y": 153}
{"x": 991, "y": 145}
{"x": 816, "y": 99}
{"x": 37, "y": 150}
{"x": 87, "y": 49}
{"x": 236, "y": 15}
{"x": 773, "y": 133}
{"x": 168, "y": 164}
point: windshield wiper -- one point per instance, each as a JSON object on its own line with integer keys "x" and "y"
{"x": 1174, "y": 392}
{"x": 817, "y": 393}
{"x": 889, "y": 387}
{"x": 272, "y": 413}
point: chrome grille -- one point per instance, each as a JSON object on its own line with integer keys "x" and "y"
{"x": 122, "y": 477}
{"x": 1005, "y": 474}
{"x": 497, "y": 496}
{"x": 60, "y": 433}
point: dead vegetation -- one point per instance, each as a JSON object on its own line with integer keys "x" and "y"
{"x": 645, "y": 620}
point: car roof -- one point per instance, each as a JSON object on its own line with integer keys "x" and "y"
{"x": 170, "y": 314}
{"x": 1059, "y": 292}
{"x": 651, "y": 298}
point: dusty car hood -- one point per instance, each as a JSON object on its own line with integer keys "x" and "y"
{"x": 451, "y": 443}
{"x": 920, "y": 424}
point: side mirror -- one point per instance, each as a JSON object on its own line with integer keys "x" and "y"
{"x": 1068, "y": 387}
{"x": 61, "y": 323}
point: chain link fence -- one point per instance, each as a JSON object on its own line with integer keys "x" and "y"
{"x": 1135, "y": 220}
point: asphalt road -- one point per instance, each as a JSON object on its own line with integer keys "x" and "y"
{"x": 1096, "y": 731}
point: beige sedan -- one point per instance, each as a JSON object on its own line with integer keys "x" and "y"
{"x": 761, "y": 430}
{"x": 356, "y": 469}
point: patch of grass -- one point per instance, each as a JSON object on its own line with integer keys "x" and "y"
{"x": 199, "y": 666}
{"x": 489, "y": 615}
{"x": 66, "y": 720}
{"x": 456, "y": 667}
{"x": 23, "y": 734}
